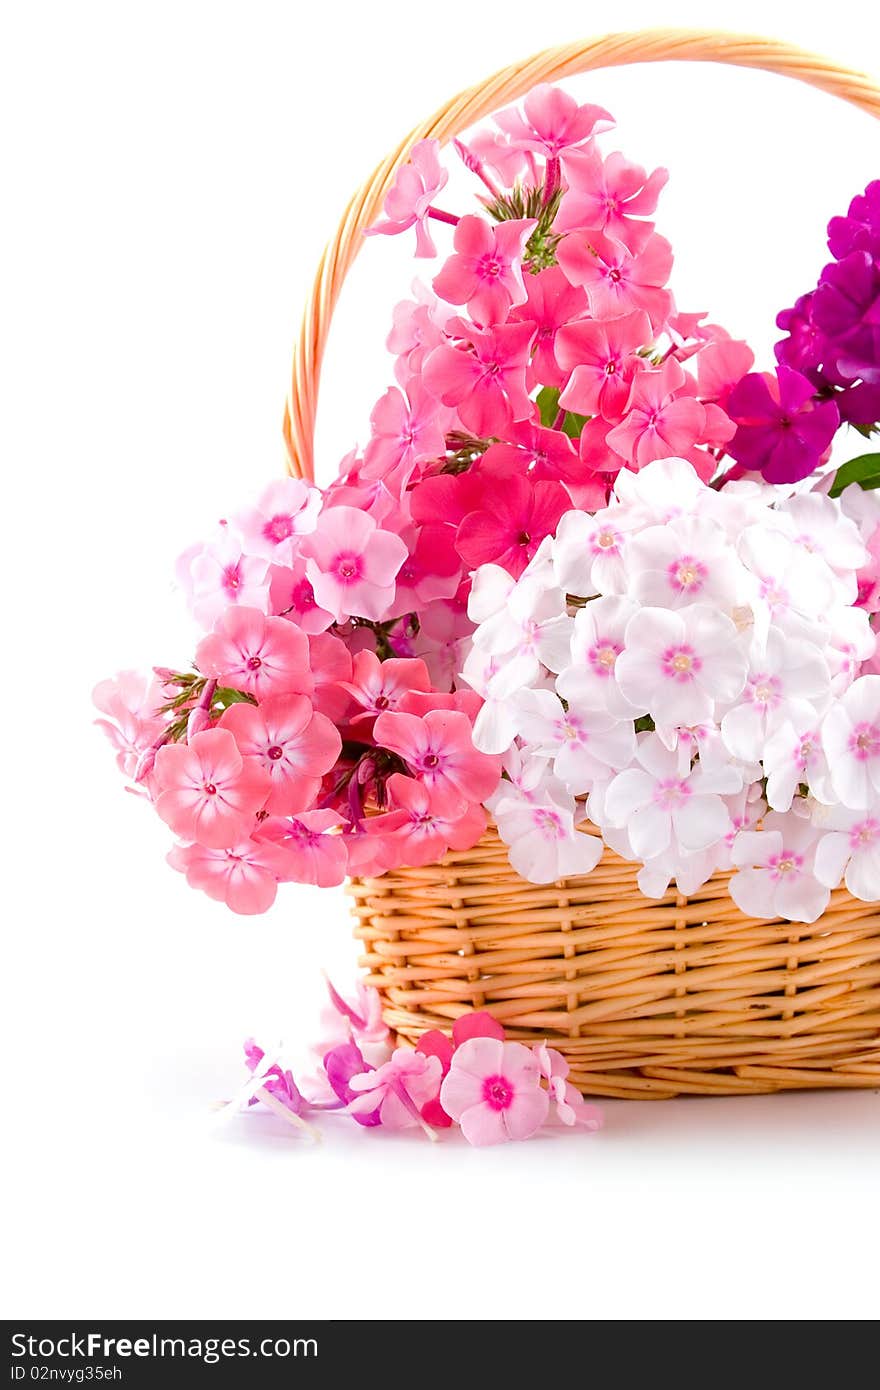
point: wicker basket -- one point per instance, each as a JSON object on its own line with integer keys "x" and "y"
{"x": 646, "y": 998}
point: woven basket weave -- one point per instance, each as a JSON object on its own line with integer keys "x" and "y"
{"x": 646, "y": 998}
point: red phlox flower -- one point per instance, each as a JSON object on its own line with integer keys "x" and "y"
{"x": 431, "y": 570}
{"x": 509, "y": 528}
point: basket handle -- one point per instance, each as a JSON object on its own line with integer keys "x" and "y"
{"x": 474, "y": 104}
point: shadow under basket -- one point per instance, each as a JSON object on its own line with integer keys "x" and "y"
{"x": 646, "y": 998}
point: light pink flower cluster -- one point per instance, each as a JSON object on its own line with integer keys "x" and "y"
{"x": 493, "y": 1089}
{"x": 684, "y": 667}
{"x": 537, "y": 543}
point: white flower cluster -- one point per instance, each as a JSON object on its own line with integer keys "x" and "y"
{"x": 683, "y": 668}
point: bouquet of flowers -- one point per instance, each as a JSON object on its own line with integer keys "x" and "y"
{"x": 591, "y": 575}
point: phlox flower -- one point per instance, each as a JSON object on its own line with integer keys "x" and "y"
{"x": 275, "y": 1086}
{"x": 493, "y": 1090}
{"x": 484, "y": 379}
{"x": 132, "y": 725}
{"x": 584, "y": 745}
{"x": 607, "y": 194}
{"x": 551, "y": 304}
{"x": 678, "y": 665}
{"x": 588, "y": 552}
{"x": 440, "y": 752}
{"x": 294, "y": 745}
{"x": 207, "y": 791}
{"x": 509, "y": 529}
{"x": 660, "y": 491}
{"x": 377, "y": 685}
{"x": 219, "y": 575}
{"x": 427, "y": 820}
{"x": 793, "y": 756}
{"x": 245, "y": 876}
{"x": 818, "y": 525}
{"x": 663, "y": 802}
{"x": 361, "y": 1019}
{"x": 417, "y": 328}
{"x": 485, "y": 270}
{"x": 431, "y": 570}
{"x": 292, "y": 596}
{"x": 851, "y": 738}
{"x": 602, "y": 357}
{"x": 782, "y": 431}
{"x": 443, "y": 640}
{"x": 543, "y": 841}
{"x": 408, "y": 202}
{"x": 571, "y": 1108}
{"x": 850, "y": 851}
{"x": 285, "y": 510}
{"x": 788, "y": 583}
{"x": 784, "y": 675}
{"x": 330, "y": 661}
{"x": 495, "y": 152}
{"x": 659, "y": 422}
{"x": 352, "y": 564}
{"x": 617, "y": 280}
{"x": 312, "y": 850}
{"x": 341, "y": 1063}
{"x": 551, "y": 121}
{"x": 721, "y": 364}
{"x": 687, "y": 560}
{"x": 530, "y": 628}
{"x": 397, "y": 1090}
{"x": 589, "y": 682}
{"x": 776, "y": 866}
{"x": 258, "y": 655}
{"x": 495, "y": 723}
{"x": 405, "y": 429}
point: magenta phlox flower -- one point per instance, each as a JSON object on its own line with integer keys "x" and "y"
{"x": 782, "y": 431}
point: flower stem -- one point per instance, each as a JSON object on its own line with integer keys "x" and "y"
{"x": 440, "y": 216}
{"x": 289, "y": 1115}
{"x": 476, "y": 166}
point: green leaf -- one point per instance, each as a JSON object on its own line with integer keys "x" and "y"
{"x": 573, "y": 424}
{"x": 548, "y": 404}
{"x": 865, "y": 470}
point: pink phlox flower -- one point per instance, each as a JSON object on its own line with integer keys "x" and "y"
{"x": 292, "y": 596}
{"x": 439, "y": 750}
{"x": 417, "y": 328}
{"x": 359, "y": 1019}
{"x": 608, "y": 195}
{"x": 548, "y": 454}
{"x": 551, "y": 121}
{"x": 475, "y": 1024}
{"x": 408, "y": 202}
{"x": 208, "y": 791}
{"x": 571, "y": 1108}
{"x": 664, "y": 803}
{"x": 850, "y": 850}
{"x": 255, "y": 654}
{"x": 659, "y": 420}
{"x": 313, "y": 850}
{"x": 405, "y": 430}
{"x": 585, "y": 745}
{"x": 352, "y": 564}
{"x": 496, "y": 152}
{"x": 782, "y": 430}
{"x": 130, "y": 702}
{"x": 432, "y": 569}
{"x": 398, "y": 1090}
{"x": 721, "y": 364}
{"x": 377, "y": 685}
{"x": 493, "y": 1090}
{"x": 617, "y": 280}
{"x": 776, "y": 870}
{"x": 676, "y": 666}
{"x": 422, "y": 701}
{"x": 512, "y": 524}
{"x": 341, "y": 1063}
{"x": 245, "y": 876}
{"x": 551, "y": 304}
{"x": 221, "y": 575}
{"x": 485, "y": 270}
{"x": 851, "y": 739}
{"x": 602, "y": 357}
{"x": 426, "y": 821}
{"x": 485, "y": 379}
{"x": 286, "y": 510}
{"x": 589, "y": 682}
{"x": 330, "y": 661}
{"x": 442, "y": 640}
{"x": 294, "y": 745}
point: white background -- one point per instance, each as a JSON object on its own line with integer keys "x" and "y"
{"x": 169, "y": 173}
